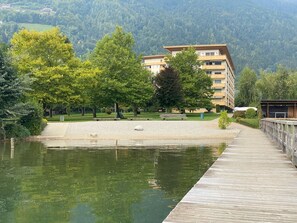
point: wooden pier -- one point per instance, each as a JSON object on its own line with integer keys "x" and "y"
{"x": 253, "y": 181}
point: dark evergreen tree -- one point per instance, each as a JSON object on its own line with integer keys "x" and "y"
{"x": 168, "y": 89}
{"x": 10, "y": 86}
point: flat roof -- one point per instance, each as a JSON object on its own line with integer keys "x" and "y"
{"x": 153, "y": 56}
{"x": 280, "y": 101}
{"x": 222, "y": 47}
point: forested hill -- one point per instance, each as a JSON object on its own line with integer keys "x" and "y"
{"x": 259, "y": 33}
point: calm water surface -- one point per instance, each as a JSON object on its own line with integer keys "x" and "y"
{"x": 89, "y": 185}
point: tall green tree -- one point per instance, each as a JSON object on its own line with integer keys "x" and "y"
{"x": 196, "y": 84}
{"x": 11, "y": 88}
{"x": 168, "y": 89}
{"x": 292, "y": 82}
{"x": 49, "y": 59}
{"x": 246, "y": 87}
{"x": 281, "y": 84}
{"x": 87, "y": 80}
{"x": 123, "y": 79}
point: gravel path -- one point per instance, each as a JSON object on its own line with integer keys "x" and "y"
{"x": 122, "y": 133}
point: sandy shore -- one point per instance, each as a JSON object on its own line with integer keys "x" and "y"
{"x": 122, "y": 133}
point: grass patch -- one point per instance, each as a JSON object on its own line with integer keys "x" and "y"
{"x": 35, "y": 26}
{"x": 207, "y": 116}
{"x": 143, "y": 115}
{"x": 253, "y": 123}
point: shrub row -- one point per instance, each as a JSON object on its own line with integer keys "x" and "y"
{"x": 30, "y": 124}
{"x": 250, "y": 114}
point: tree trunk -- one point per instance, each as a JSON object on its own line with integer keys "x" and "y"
{"x": 51, "y": 112}
{"x": 68, "y": 110}
{"x": 117, "y": 110}
{"x": 94, "y": 112}
{"x": 135, "y": 108}
{"x": 83, "y": 111}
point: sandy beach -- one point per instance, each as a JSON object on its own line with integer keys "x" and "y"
{"x": 122, "y": 133}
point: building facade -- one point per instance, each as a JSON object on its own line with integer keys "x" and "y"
{"x": 217, "y": 63}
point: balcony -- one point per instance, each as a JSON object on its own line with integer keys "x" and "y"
{"x": 213, "y": 67}
{"x": 221, "y": 85}
{"x": 217, "y": 58}
{"x": 218, "y": 76}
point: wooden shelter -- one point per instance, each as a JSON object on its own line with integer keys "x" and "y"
{"x": 279, "y": 108}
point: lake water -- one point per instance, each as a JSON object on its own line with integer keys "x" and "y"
{"x": 97, "y": 185}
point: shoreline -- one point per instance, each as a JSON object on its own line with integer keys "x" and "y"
{"x": 122, "y": 134}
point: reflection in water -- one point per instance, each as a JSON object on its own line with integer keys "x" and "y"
{"x": 122, "y": 185}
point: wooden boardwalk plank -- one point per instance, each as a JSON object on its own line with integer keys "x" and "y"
{"x": 253, "y": 181}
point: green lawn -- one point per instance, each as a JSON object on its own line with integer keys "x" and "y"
{"x": 143, "y": 115}
{"x": 253, "y": 123}
{"x": 35, "y": 26}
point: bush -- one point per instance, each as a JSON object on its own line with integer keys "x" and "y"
{"x": 33, "y": 120}
{"x": 14, "y": 130}
{"x": 239, "y": 114}
{"x": 224, "y": 120}
{"x": 250, "y": 113}
{"x": 108, "y": 111}
{"x": 43, "y": 124}
{"x": 253, "y": 123}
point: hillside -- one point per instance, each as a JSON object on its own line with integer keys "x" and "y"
{"x": 259, "y": 33}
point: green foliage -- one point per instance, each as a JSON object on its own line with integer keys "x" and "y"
{"x": 123, "y": 80}
{"x": 253, "y": 123}
{"x": 247, "y": 88}
{"x": 260, "y": 112}
{"x": 168, "y": 88}
{"x": 33, "y": 120}
{"x": 196, "y": 84}
{"x": 11, "y": 87}
{"x": 224, "y": 120}
{"x": 250, "y": 113}
{"x": 239, "y": 114}
{"x": 49, "y": 59}
{"x": 43, "y": 124}
{"x": 281, "y": 84}
{"x": 157, "y": 23}
{"x": 14, "y": 130}
{"x": 209, "y": 106}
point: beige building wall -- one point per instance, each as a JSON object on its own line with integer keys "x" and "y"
{"x": 217, "y": 63}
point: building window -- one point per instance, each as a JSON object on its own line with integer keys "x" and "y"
{"x": 213, "y": 63}
{"x": 218, "y": 90}
{"x": 218, "y": 72}
{"x": 217, "y": 81}
{"x": 209, "y": 72}
{"x": 210, "y": 54}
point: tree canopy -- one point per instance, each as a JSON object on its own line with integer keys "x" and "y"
{"x": 123, "y": 79}
{"x": 11, "y": 87}
{"x": 196, "y": 84}
{"x": 247, "y": 87}
{"x": 48, "y": 57}
{"x": 168, "y": 88}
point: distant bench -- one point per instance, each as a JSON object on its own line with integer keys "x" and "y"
{"x": 106, "y": 119}
{"x": 138, "y": 119}
{"x": 173, "y": 116}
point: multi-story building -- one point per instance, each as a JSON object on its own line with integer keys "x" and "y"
{"x": 217, "y": 63}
